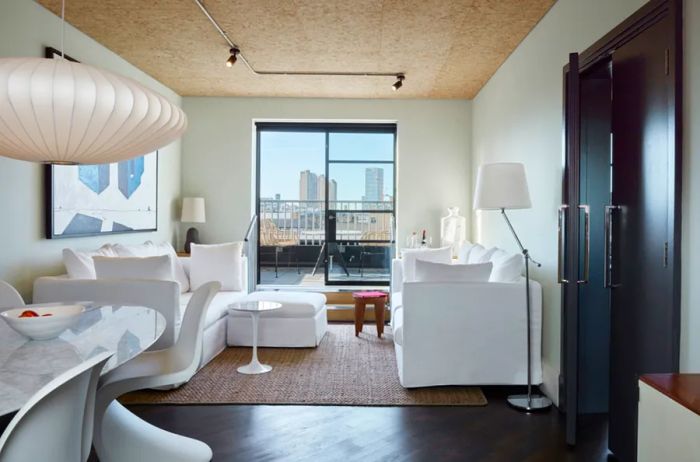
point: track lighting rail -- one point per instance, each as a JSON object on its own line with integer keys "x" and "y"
{"x": 237, "y": 54}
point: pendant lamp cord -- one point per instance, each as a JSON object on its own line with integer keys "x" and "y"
{"x": 63, "y": 27}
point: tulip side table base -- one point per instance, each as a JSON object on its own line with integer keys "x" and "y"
{"x": 255, "y": 367}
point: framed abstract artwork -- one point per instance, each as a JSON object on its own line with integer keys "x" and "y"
{"x": 91, "y": 200}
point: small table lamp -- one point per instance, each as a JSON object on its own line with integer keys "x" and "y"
{"x": 501, "y": 186}
{"x": 192, "y": 212}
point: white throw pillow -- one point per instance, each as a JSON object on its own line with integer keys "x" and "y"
{"x": 79, "y": 264}
{"x": 479, "y": 254}
{"x": 439, "y": 272}
{"x": 149, "y": 249}
{"x": 507, "y": 267}
{"x": 139, "y": 250}
{"x": 158, "y": 268}
{"x": 463, "y": 254}
{"x": 219, "y": 262}
{"x": 440, "y": 255}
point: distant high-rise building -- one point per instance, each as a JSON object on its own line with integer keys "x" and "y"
{"x": 321, "y": 188}
{"x": 308, "y": 186}
{"x": 332, "y": 191}
{"x": 374, "y": 184}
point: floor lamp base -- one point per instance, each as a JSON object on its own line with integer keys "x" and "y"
{"x": 534, "y": 403}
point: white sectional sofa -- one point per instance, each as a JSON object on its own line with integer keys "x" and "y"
{"x": 163, "y": 296}
{"x": 464, "y": 333}
{"x": 300, "y": 322}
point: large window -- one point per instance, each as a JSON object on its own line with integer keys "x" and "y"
{"x": 326, "y": 195}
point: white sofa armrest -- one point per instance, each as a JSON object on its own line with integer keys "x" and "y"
{"x": 244, "y": 274}
{"x": 469, "y": 333}
{"x": 244, "y": 270}
{"x": 396, "y": 275}
{"x": 162, "y": 296}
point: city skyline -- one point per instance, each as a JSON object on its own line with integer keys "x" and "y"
{"x": 283, "y": 155}
{"x": 312, "y": 186}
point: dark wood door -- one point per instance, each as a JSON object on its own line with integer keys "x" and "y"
{"x": 644, "y": 321}
{"x": 569, "y": 249}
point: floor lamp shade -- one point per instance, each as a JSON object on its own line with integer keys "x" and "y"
{"x": 501, "y": 185}
{"x": 63, "y": 112}
{"x": 193, "y": 210}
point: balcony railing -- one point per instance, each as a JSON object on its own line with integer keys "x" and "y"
{"x": 287, "y": 222}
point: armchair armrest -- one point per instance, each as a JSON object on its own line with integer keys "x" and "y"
{"x": 162, "y": 296}
{"x": 396, "y": 275}
{"x": 477, "y": 329}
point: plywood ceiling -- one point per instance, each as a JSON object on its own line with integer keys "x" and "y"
{"x": 447, "y": 48}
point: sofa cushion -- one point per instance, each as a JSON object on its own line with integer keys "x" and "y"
{"x": 79, "y": 264}
{"x": 157, "y": 268}
{"x": 218, "y": 308}
{"x": 479, "y": 254}
{"x": 438, "y": 272}
{"x": 149, "y": 249}
{"x": 218, "y": 262}
{"x": 507, "y": 267}
{"x": 463, "y": 254}
{"x": 397, "y": 326}
{"x": 440, "y": 255}
{"x": 294, "y": 304}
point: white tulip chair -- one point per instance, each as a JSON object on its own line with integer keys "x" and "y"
{"x": 56, "y": 423}
{"x": 120, "y": 435}
{"x": 9, "y": 297}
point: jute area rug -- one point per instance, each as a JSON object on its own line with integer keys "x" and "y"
{"x": 342, "y": 370}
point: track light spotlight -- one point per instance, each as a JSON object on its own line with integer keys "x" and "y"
{"x": 399, "y": 82}
{"x": 233, "y": 58}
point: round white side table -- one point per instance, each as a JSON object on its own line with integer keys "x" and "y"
{"x": 255, "y": 309}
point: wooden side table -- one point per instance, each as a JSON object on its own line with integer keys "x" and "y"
{"x": 362, "y": 299}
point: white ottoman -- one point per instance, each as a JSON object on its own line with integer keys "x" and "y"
{"x": 301, "y": 322}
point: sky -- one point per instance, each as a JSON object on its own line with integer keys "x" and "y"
{"x": 283, "y": 155}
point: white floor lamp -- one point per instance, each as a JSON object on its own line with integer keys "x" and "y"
{"x": 501, "y": 186}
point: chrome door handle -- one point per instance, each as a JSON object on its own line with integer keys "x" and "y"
{"x": 561, "y": 226}
{"x": 587, "y": 244}
{"x": 607, "y": 257}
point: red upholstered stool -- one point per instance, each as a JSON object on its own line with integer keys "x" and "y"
{"x": 362, "y": 299}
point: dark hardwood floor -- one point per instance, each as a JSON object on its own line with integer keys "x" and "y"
{"x": 368, "y": 434}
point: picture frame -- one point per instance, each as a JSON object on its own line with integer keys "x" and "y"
{"x": 103, "y": 199}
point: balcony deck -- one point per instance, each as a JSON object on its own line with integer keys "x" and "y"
{"x": 292, "y": 233}
{"x": 304, "y": 278}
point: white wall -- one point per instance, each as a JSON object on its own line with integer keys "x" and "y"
{"x": 690, "y": 303}
{"x": 517, "y": 116}
{"x": 25, "y": 29}
{"x": 433, "y": 155}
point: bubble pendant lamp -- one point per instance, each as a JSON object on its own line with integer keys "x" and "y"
{"x": 62, "y": 112}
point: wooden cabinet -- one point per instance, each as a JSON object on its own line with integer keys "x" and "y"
{"x": 669, "y": 418}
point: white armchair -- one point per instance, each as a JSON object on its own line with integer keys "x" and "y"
{"x": 464, "y": 333}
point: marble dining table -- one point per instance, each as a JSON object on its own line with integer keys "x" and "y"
{"x": 27, "y": 365}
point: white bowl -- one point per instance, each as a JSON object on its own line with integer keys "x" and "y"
{"x": 43, "y": 327}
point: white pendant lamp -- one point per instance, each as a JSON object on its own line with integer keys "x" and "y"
{"x": 63, "y": 112}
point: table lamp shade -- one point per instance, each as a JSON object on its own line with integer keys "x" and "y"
{"x": 501, "y": 185}
{"x": 193, "y": 210}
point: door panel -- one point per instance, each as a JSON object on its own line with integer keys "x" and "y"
{"x": 642, "y": 320}
{"x": 594, "y": 297}
{"x": 570, "y": 233}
